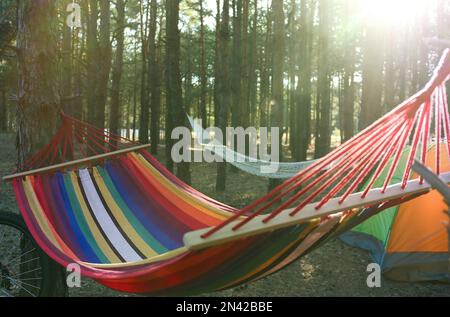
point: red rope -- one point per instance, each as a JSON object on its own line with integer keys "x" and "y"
{"x": 446, "y": 116}
{"x": 419, "y": 125}
{"x": 101, "y": 137}
{"x": 437, "y": 132}
{"x": 383, "y": 163}
{"x": 71, "y": 136}
{"x": 366, "y": 167}
{"x": 83, "y": 141}
{"x": 97, "y": 138}
{"x": 397, "y": 156}
{"x": 352, "y": 157}
{"x": 354, "y": 169}
{"x": 66, "y": 141}
{"x": 79, "y": 144}
{"x": 426, "y": 133}
{"x": 110, "y": 135}
{"x": 31, "y": 161}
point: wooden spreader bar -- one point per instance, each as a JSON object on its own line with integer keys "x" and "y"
{"x": 80, "y": 162}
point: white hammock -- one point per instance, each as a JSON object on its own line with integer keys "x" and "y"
{"x": 245, "y": 163}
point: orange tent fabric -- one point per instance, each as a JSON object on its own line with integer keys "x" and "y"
{"x": 420, "y": 223}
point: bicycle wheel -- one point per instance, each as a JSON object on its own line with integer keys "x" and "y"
{"x": 25, "y": 270}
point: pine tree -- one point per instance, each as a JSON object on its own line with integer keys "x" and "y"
{"x": 175, "y": 109}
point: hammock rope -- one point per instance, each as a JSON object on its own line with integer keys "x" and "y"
{"x": 245, "y": 163}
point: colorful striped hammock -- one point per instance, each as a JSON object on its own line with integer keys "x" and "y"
{"x": 133, "y": 226}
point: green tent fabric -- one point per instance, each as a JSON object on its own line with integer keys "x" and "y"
{"x": 373, "y": 234}
{"x": 379, "y": 226}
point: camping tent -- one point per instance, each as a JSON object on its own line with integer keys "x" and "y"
{"x": 409, "y": 241}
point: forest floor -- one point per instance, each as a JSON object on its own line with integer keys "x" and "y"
{"x": 334, "y": 269}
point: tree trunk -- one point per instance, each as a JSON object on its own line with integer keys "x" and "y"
{"x": 154, "y": 78}
{"x": 135, "y": 88}
{"x": 3, "y": 112}
{"x": 188, "y": 73}
{"x": 79, "y": 68}
{"x": 372, "y": 75}
{"x": 253, "y": 61}
{"x": 127, "y": 121}
{"x": 104, "y": 63}
{"x": 175, "y": 110}
{"x": 303, "y": 112}
{"x": 443, "y": 32}
{"x": 413, "y": 48}
{"x": 349, "y": 85}
{"x": 66, "y": 67}
{"x": 115, "y": 115}
{"x": 145, "y": 106}
{"x": 401, "y": 59}
{"x": 91, "y": 10}
{"x": 293, "y": 59}
{"x": 224, "y": 87}
{"x": 203, "y": 78}
{"x": 266, "y": 62}
{"x": 423, "y": 52}
{"x": 323, "y": 82}
{"x": 38, "y": 98}
{"x": 244, "y": 95}
{"x": 236, "y": 65}
{"x": 277, "y": 105}
{"x": 216, "y": 63}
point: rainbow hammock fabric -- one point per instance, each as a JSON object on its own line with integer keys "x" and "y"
{"x": 135, "y": 227}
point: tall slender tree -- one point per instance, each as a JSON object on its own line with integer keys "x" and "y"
{"x": 66, "y": 61}
{"x": 103, "y": 55}
{"x": 252, "y": 66}
{"x": 175, "y": 109}
{"x": 135, "y": 91}
{"x": 266, "y": 67}
{"x": 236, "y": 64}
{"x": 277, "y": 104}
{"x": 443, "y": 20}
{"x": 224, "y": 91}
{"x": 154, "y": 77}
{"x": 349, "y": 76}
{"x": 3, "y": 111}
{"x": 79, "y": 68}
{"x": 372, "y": 72}
{"x": 203, "y": 78}
{"x": 90, "y": 9}
{"x": 244, "y": 82}
{"x": 114, "y": 118}
{"x": 188, "y": 70}
{"x": 323, "y": 133}
{"x": 144, "y": 97}
{"x": 292, "y": 48}
{"x": 423, "y": 51}
{"x": 304, "y": 87}
{"x": 217, "y": 61}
